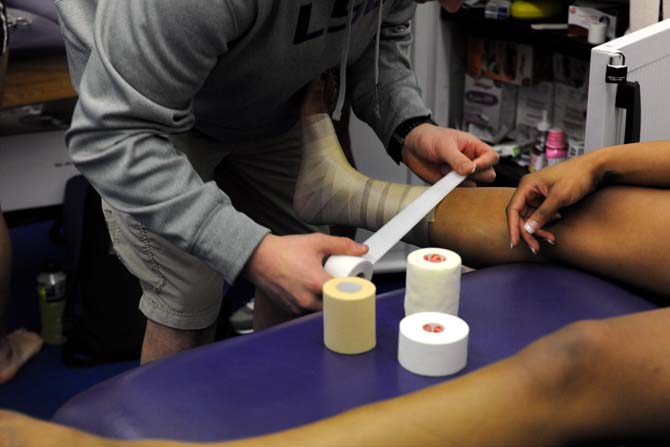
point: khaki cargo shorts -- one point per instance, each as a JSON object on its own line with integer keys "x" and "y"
{"x": 179, "y": 290}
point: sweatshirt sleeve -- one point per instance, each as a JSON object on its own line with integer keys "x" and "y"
{"x": 399, "y": 92}
{"x": 147, "y": 61}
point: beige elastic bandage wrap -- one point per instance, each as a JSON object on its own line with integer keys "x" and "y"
{"x": 329, "y": 191}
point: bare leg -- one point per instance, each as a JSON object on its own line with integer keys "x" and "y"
{"x": 162, "y": 341}
{"x": 268, "y": 312}
{"x": 19, "y": 346}
{"x": 601, "y": 234}
{"x": 616, "y": 232}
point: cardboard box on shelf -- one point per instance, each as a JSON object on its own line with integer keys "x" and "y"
{"x": 582, "y": 14}
{"x": 518, "y": 64}
{"x": 532, "y": 102}
{"x": 489, "y": 107}
{"x": 570, "y": 104}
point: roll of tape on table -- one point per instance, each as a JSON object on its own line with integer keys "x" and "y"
{"x": 349, "y": 315}
{"x": 433, "y": 344}
{"x": 344, "y": 266}
{"x": 433, "y": 281}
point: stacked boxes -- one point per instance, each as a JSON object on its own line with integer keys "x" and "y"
{"x": 508, "y": 86}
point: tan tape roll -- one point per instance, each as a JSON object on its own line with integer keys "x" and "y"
{"x": 349, "y": 315}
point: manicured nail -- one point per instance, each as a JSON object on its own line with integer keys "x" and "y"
{"x": 511, "y": 245}
{"x": 530, "y": 226}
{"x": 474, "y": 168}
{"x": 533, "y": 250}
{"x": 550, "y": 242}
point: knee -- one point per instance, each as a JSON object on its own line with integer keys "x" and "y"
{"x": 568, "y": 361}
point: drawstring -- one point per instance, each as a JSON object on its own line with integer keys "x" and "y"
{"x": 337, "y": 114}
{"x": 379, "y": 32}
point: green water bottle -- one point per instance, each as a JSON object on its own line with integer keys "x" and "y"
{"x": 51, "y": 283}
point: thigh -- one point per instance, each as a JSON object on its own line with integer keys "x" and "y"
{"x": 179, "y": 290}
{"x": 204, "y": 153}
{"x": 260, "y": 179}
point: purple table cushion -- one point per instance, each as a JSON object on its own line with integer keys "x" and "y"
{"x": 284, "y": 377}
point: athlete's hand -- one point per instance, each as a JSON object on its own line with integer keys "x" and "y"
{"x": 542, "y": 194}
{"x": 432, "y": 151}
{"x": 289, "y": 269}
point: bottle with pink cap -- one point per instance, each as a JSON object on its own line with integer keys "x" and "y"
{"x": 556, "y": 152}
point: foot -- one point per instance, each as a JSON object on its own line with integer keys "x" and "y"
{"x": 15, "y": 350}
{"x": 329, "y": 191}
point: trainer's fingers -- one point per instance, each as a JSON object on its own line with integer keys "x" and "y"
{"x": 485, "y": 176}
{"x": 487, "y": 157}
{"x": 468, "y": 184}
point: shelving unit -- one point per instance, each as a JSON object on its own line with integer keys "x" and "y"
{"x": 470, "y": 22}
{"x": 473, "y": 23}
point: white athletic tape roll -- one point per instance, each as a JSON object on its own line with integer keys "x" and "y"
{"x": 433, "y": 344}
{"x": 349, "y": 315}
{"x": 433, "y": 281}
{"x": 394, "y": 230}
{"x": 349, "y": 266}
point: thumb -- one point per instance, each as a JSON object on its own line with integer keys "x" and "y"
{"x": 334, "y": 245}
{"x": 450, "y": 152}
{"x": 544, "y": 213}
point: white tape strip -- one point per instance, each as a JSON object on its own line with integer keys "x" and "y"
{"x": 390, "y": 234}
{"x": 394, "y": 230}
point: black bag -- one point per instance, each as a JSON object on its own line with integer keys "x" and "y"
{"x": 102, "y": 321}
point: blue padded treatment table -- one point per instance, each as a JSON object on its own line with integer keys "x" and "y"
{"x": 284, "y": 377}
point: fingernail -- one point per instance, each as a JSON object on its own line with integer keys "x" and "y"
{"x": 558, "y": 216}
{"x": 511, "y": 245}
{"x": 550, "y": 242}
{"x": 463, "y": 167}
{"x": 533, "y": 250}
{"x": 530, "y": 226}
{"x": 474, "y": 168}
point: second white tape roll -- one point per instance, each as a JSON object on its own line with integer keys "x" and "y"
{"x": 433, "y": 344}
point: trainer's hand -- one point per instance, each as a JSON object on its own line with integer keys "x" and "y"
{"x": 289, "y": 269}
{"x": 432, "y": 151}
{"x": 542, "y": 194}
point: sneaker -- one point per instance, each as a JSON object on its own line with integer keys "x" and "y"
{"x": 242, "y": 320}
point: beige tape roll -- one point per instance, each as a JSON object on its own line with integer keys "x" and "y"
{"x": 349, "y": 315}
{"x": 433, "y": 281}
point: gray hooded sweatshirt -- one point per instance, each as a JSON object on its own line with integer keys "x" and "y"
{"x": 233, "y": 69}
